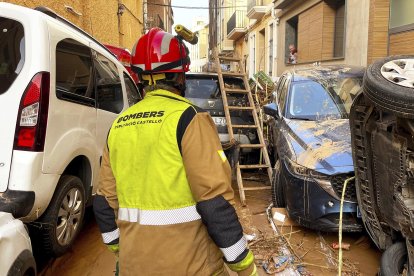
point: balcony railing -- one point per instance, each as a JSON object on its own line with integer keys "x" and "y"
{"x": 237, "y": 21}
{"x": 253, "y": 3}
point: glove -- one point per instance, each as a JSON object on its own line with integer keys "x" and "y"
{"x": 245, "y": 267}
{"x": 114, "y": 248}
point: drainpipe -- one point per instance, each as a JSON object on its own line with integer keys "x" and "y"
{"x": 121, "y": 9}
{"x": 145, "y": 16}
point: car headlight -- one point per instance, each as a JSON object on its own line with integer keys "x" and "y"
{"x": 303, "y": 172}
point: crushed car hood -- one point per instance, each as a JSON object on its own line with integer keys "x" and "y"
{"x": 324, "y": 146}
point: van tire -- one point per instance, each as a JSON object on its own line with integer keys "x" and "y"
{"x": 69, "y": 187}
{"x": 24, "y": 265}
{"x": 393, "y": 259}
{"x": 278, "y": 196}
{"x": 382, "y": 86}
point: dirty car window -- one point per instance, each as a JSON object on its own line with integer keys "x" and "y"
{"x": 200, "y": 88}
{"x": 313, "y": 101}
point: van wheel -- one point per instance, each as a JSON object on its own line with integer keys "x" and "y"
{"x": 62, "y": 220}
{"x": 278, "y": 196}
{"x": 393, "y": 259}
{"x": 389, "y": 84}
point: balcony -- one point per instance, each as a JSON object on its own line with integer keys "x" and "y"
{"x": 236, "y": 25}
{"x": 256, "y": 9}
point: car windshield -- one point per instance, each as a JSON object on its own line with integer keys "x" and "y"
{"x": 331, "y": 99}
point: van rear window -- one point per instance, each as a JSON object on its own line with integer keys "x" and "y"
{"x": 208, "y": 88}
{"x": 11, "y": 52}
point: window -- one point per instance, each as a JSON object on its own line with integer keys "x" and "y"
{"x": 291, "y": 38}
{"x": 131, "y": 90}
{"x": 339, "y": 38}
{"x": 270, "y": 71}
{"x": 108, "y": 85}
{"x": 73, "y": 72}
{"x": 12, "y": 46}
{"x": 331, "y": 99}
{"x": 401, "y": 14}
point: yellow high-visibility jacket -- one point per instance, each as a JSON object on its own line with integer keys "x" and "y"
{"x": 165, "y": 192}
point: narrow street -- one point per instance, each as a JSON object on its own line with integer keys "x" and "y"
{"x": 90, "y": 257}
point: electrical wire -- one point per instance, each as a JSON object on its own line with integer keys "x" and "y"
{"x": 340, "y": 225}
{"x": 193, "y": 7}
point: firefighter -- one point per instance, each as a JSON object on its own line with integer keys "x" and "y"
{"x": 164, "y": 201}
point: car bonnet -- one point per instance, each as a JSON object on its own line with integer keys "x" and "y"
{"x": 324, "y": 146}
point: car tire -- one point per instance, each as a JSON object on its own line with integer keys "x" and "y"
{"x": 389, "y": 87}
{"x": 278, "y": 196}
{"x": 393, "y": 259}
{"x": 24, "y": 265}
{"x": 62, "y": 220}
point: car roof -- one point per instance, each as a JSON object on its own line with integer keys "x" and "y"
{"x": 325, "y": 72}
{"x": 201, "y": 74}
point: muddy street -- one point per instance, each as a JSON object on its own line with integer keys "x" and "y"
{"x": 90, "y": 257}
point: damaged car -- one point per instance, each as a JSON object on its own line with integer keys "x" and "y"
{"x": 310, "y": 136}
{"x": 203, "y": 90}
{"x": 382, "y": 124}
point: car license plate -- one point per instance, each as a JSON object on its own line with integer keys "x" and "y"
{"x": 219, "y": 121}
{"x": 358, "y": 212}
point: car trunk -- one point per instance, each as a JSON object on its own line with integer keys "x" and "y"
{"x": 12, "y": 58}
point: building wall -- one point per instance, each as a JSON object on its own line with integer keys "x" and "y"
{"x": 356, "y": 34}
{"x": 378, "y": 29}
{"x": 402, "y": 43}
{"x": 99, "y": 18}
{"x": 160, "y": 9}
{"x": 382, "y": 41}
{"x": 199, "y": 51}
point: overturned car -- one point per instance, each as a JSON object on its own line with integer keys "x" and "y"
{"x": 382, "y": 124}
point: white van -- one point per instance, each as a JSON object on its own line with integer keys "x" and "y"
{"x": 60, "y": 91}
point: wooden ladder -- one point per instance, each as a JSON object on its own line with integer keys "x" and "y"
{"x": 230, "y": 126}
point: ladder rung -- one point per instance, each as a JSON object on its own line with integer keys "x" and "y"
{"x": 244, "y": 126}
{"x": 257, "y": 188}
{"x": 240, "y": 91}
{"x": 254, "y": 166}
{"x": 228, "y": 58}
{"x": 251, "y": 146}
{"x": 233, "y": 74}
{"x": 240, "y": 107}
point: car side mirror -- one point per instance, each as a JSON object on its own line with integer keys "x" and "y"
{"x": 271, "y": 110}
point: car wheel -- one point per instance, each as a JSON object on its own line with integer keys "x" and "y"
{"x": 389, "y": 84}
{"x": 62, "y": 220}
{"x": 24, "y": 265}
{"x": 393, "y": 259}
{"x": 277, "y": 186}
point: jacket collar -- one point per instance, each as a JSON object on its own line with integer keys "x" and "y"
{"x": 167, "y": 94}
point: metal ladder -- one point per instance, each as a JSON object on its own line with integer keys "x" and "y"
{"x": 230, "y": 126}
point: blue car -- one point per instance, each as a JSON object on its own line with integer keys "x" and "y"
{"x": 311, "y": 144}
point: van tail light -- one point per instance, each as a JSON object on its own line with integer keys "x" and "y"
{"x": 32, "y": 116}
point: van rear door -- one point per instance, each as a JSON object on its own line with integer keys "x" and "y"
{"x": 12, "y": 58}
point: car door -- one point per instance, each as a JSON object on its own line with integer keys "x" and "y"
{"x": 110, "y": 101}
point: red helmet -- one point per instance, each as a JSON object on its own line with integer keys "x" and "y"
{"x": 159, "y": 52}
